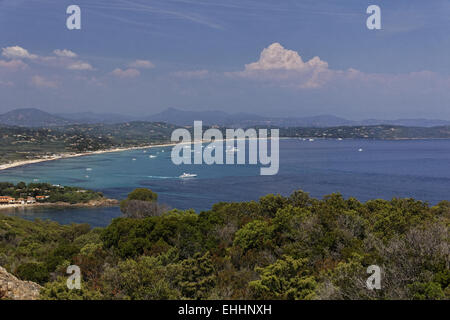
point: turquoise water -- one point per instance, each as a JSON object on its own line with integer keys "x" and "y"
{"x": 384, "y": 169}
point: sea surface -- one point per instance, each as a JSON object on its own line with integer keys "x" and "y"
{"x": 364, "y": 169}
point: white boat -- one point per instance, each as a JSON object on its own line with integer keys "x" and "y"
{"x": 339, "y": 139}
{"x": 360, "y": 150}
{"x": 311, "y": 140}
{"x": 188, "y": 175}
{"x": 88, "y": 169}
{"x": 152, "y": 156}
{"x": 134, "y": 159}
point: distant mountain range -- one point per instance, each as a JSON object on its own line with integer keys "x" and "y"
{"x": 37, "y": 118}
{"x": 32, "y": 118}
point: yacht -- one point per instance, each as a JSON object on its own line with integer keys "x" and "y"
{"x": 188, "y": 175}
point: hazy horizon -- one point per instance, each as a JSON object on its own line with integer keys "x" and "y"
{"x": 138, "y": 116}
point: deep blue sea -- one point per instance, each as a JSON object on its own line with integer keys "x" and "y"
{"x": 383, "y": 169}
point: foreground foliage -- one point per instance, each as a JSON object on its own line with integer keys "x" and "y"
{"x": 292, "y": 247}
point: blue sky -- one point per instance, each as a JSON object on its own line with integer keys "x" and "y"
{"x": 278, "y": 58}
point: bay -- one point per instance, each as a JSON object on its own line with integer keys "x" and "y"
{"x": 364, "y": 169}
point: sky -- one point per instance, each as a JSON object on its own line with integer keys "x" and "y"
{"x": 272, "y": 58}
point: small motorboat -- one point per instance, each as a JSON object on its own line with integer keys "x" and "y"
{"x": 188, "y": 175}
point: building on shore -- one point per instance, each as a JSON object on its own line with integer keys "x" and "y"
{"x": 10, "y": 200}
{"x": 7, "y": 200}
{"x": 31, "y": 200}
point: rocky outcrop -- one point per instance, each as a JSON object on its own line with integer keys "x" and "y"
{"x": 15, "y": 289}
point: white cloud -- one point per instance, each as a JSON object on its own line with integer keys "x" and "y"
{"x": 199, "y": 74}
{"x": 287, "y": 68}
{"x": 12, "y": 64}
{"x": 62, "y": 59}
{"x": 42, "y": 82}
{"x": 17, "y": 52}
{"x": 80, "y": 66}
{"x": 276, "y": 57}
{"x": 128, "y": 73}
{"x": 141, "y": 64}
{"x": 65, "y": 53}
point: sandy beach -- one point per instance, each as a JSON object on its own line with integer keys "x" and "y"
{"x": 73, "y": 155}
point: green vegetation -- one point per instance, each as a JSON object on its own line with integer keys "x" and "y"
{"x": 142, "y": 203}
{"x": 292, "y": 247}
{"x": 379, "y": 132}
{"x": 52, "y": 193}
{"x": 31, "y": 143}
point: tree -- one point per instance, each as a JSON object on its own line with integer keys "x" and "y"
{"x": 287, "y": 278}
{"x": 143, "y": 194}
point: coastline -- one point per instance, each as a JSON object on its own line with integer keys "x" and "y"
{"x": 74, "y": 155}
{"x": 90, "y": 204}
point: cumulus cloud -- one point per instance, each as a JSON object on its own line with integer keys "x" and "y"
{"x": 17, "y": 52}
{"x": 276, "y": 57}
{"x": 42, "y": 82}
{"x": 141, "y": 64}
{"x": 65, "y": 53}
{"x": 127, "y": 73}
{"x": 279, "y": 64}
{"x": 62, "y": 58}
{"x": 199, "y": 74}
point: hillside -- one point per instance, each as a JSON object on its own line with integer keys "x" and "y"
{"x": 32, "y": 118}
{"x": 287, "y": 248}
{"x": 36, "y": 118}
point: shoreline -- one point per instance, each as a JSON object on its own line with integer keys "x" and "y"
{"x": 91, "y": 204}
{"x": 75, "y": 155}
